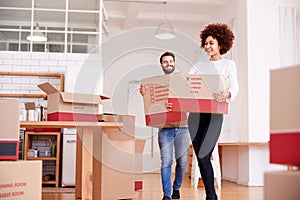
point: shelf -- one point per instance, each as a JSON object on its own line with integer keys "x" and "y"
{"x": 55, "y": 75}
{"x": 49, "y": 182}
{"x": 28, "y": 141}
{"x": 41, "y": 158}
{"x": 24, "y": 95}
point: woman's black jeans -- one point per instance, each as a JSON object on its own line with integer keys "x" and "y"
{"x": 205, "y": 129}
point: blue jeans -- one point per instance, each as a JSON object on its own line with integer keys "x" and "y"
{"x": 168, "y": 138}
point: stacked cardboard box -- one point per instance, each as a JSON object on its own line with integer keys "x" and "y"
{"x": 9, "y": 129}
{"x": 113, "y": 162}
{"x": 21, "y": 180}
{"x": 285, "y": 116}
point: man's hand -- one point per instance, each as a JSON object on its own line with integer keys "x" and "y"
{"x": 143, "y": 89}
{"x": 169, "y": 106}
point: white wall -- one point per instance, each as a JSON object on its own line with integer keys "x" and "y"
{"x": 256, "y": 52}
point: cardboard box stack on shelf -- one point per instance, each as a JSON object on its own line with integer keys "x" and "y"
{"x": 19, "y": 179}
{"x": 284, "y": 134}
{"x": 186, "y": 93}
{"x": 65, "y": 106}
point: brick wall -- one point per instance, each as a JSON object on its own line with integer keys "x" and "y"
{"x": 36, "y": 62}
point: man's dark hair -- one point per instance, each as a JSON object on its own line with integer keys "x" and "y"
{"x": 167, "y": 53}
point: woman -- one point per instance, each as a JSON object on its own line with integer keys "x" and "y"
{"x": 205, "y": 128}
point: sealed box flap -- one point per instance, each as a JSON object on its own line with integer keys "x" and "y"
{"x": 48, "y": 88}
{"x": 161, "y": 79}
{"x": 80, "y": 98}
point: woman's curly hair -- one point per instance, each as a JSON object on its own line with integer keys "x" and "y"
{"x": 220, "y": 32}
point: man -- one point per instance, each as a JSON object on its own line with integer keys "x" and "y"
{"x": 169, "y": 138}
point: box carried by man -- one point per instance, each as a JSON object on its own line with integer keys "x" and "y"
{"x": 185, "y": 93}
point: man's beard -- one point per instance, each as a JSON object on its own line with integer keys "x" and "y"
{"x": 168, "y": 71}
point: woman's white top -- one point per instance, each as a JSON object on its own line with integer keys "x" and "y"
{"x": 224, "y": 67}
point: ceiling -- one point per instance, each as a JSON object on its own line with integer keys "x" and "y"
{"x": 127, "y": 14}
{"x": 130, "y": 14}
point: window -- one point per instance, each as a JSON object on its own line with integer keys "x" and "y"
{"x": 71, "y": 26}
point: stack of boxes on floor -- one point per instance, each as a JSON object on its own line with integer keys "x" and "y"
{"x": 285, "y": 134}
{"x": 20, "y": 179}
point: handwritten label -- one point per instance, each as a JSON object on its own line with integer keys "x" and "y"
{"x": 17, "y": 189}
{"x": 159, "y": 93}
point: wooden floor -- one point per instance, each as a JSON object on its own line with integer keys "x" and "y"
{"x": 152, "y": 191}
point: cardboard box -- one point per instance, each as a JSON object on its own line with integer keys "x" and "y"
{"x": 129, "y": 129}
{"x": 64, "y": 106}
{"x": 118, "y": 175}
{"x": 110, "y": 155}
{"x": 21, "y": 180}
{"x": 9, "y": 129}
{"x": 280, "y": 185}
{"x": 186, "y": 93}
{"x": 139, "y": 152}
{"x": 285, "y": 115}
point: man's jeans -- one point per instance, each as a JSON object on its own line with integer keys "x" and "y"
{"x": 168, "y": 138}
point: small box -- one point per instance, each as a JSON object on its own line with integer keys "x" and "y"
{"x": 186, "y": 93}
{"x": 21, "y": 180}
{"x": 9, "y": 129}
{"x": 64, "y": 106}
{"x": 280, "y": 185}
{"x": 9, "y": 149}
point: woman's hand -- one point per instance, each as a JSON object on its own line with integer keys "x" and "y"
{"x": 221, "y": 96}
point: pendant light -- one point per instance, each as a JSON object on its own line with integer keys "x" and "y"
{"x": 165, "y": 30}
{"x": 36, "y": 35}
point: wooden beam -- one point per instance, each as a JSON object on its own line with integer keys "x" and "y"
{"x": 57, "y": 75}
